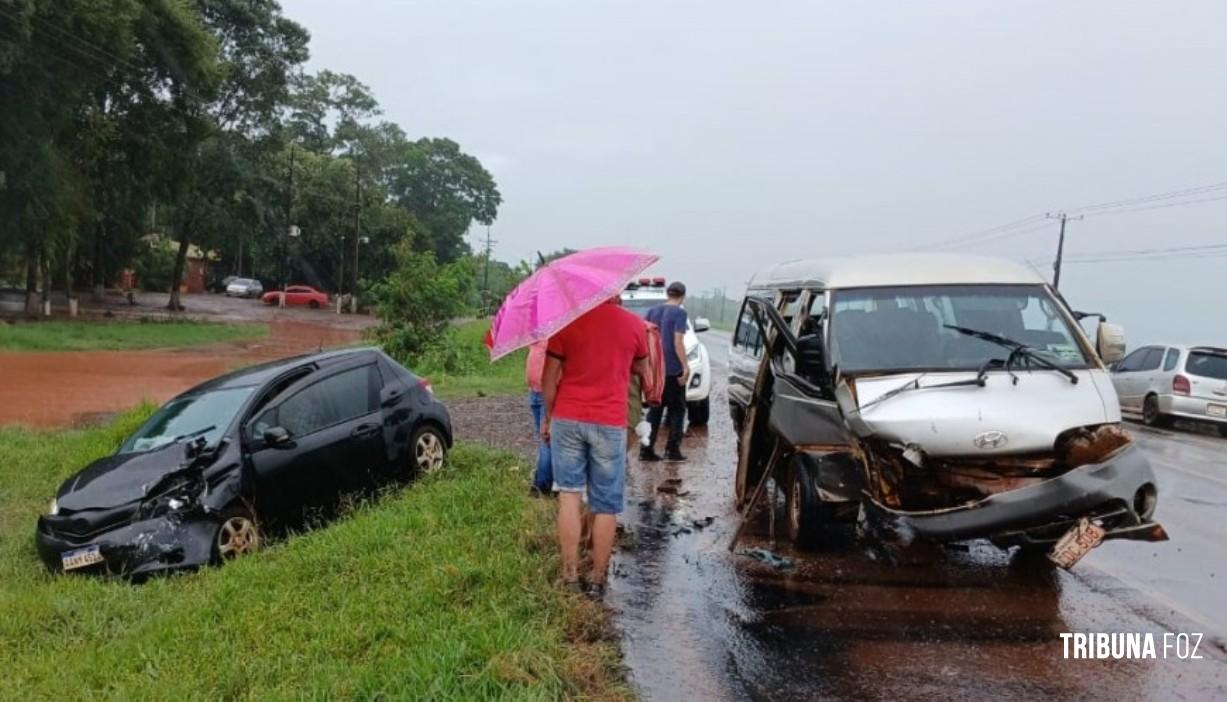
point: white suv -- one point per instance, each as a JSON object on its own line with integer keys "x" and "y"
{"x": 644, "y": 295}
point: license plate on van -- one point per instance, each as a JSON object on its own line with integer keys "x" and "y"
{"x": 1076, "y": 543}
{"x": 81, "y": 557}
{"x": 1216, "y": 410}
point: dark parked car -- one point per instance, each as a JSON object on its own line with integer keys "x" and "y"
{"x": 200, "y": 481}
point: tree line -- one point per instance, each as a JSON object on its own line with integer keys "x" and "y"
{"x": 196, "y": 120}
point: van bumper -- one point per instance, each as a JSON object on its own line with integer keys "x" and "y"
{"x": 1119, "y": 494}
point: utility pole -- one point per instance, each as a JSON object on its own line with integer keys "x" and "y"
{"x": 1056, "y": 266}
{"x": 353, "y": 291}
{"x": 289, "y": 225}
{"x": 485, "y": 286}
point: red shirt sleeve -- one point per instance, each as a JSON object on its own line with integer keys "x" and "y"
{"x": 557, "y": 347}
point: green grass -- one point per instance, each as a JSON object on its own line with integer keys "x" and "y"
{"x": 477, "y": 375}
{"x": 439, "y": 591}
{"x": 64, "y": 335}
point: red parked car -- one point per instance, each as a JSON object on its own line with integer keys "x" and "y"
{"x": 298, "y": 295}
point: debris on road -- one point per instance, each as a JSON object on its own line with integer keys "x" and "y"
{"x": 768, "y": 557}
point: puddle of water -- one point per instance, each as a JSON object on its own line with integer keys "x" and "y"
{"x": 78, "y": 387}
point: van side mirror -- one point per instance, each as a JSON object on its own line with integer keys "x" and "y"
{"x": 701, "y": 324}
{"x": 1110, "y": 342}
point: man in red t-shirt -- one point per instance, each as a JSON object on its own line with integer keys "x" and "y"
{"x": 587, "y": 369}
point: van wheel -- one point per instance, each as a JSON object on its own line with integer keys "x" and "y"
{"x": 1151, "y": 416}
{"x": 698, "y": 412}
{"x": 803, "y": 508}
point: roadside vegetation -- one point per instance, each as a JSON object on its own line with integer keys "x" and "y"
{"x": 461, "y": 367}
{"x": 442, "y": 590}
{"x": 64, "y": 335}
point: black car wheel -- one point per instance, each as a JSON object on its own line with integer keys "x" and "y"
{"x": 238, "y": 533}
{"x": 1151, "y": 416}
{"x": 315, "y": 305}
{"x": 804, "y": 508}
{"x": 429, "y": 449}
{"x": 698, "y": 412}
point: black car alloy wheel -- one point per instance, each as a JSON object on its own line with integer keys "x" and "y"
{"x": 238, "y": 533}
{"x": 429, "y": 449}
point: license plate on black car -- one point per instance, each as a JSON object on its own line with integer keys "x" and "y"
{"x": 81, "y": 557}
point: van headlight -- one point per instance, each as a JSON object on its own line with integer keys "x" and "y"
{"x": 54, "y": 508}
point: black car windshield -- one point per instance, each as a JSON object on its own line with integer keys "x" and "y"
{"x": 905, "y": 328}
{"x": 200, "y": 415}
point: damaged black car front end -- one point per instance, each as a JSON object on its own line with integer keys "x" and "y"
{"x": 171, "y": 524}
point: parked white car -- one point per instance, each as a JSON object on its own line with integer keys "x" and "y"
{"x": 644, "y": 295}
{"x": 244, "y": 287}
{"x": 1160, "y": 383}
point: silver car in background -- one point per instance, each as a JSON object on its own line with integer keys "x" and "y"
{"x": 1161, "y": 383}
{"x": 244, "y": 287}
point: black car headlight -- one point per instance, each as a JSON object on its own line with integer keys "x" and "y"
{"x": 179, "y": 497}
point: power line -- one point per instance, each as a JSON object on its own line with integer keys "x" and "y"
{"x": 1151, "y": 198}
{"x": 965, "y": 238}
{"x": 1105, "y": 208}
{"x": 1157, "y": 207}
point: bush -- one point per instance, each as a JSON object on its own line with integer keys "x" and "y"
{"x": 418, "y": 301}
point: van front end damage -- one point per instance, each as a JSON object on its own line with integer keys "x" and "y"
{"x": 1117, "y": 493}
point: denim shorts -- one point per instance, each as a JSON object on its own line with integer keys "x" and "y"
{"x": 591, "y": 456}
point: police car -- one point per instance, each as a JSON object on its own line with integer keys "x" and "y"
{"x": 643, "y": 295}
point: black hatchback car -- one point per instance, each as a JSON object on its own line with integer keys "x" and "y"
{"x": 199, "y": 481}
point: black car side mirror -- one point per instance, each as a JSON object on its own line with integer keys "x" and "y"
{"x": 276, "y": 436}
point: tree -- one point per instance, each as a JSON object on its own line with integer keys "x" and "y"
{"x": 74, "y": 78}
{"x": 258, "y": 48}
{"x": 446, "y": 190}
{"x": 418, "y": 301}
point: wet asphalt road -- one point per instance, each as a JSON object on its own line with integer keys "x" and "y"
{"x": 973, "y": 623}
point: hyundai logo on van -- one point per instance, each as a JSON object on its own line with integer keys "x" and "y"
{"x": 990, "y": 440}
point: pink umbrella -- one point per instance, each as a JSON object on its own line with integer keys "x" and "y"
{"x": 559, "y": 292}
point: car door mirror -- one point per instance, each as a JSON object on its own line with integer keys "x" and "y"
{"x": 276, "y": 436}
{"x": 701, "y": 324}
{"x": 1110, "y": 342}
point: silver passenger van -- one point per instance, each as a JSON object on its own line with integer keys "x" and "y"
{"x": 934, "y": 396}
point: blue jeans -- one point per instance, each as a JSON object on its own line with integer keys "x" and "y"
{"x": 591, "y": 456}
{"x": 543, "y": 477}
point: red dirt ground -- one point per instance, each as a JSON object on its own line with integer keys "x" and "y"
{"x": 68, "y": 388}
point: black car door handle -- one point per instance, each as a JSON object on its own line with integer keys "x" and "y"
{"x": 363, "y": 431}
{"x": 393, "y": 398}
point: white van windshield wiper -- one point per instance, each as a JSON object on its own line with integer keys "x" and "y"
{"x": 1017, "y": 350}
{"x": 914, "y": 384}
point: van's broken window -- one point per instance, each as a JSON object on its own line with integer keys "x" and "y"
{"x": 906, "y": 328}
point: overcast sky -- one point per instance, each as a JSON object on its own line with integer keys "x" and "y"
{"x": 726, "y": 136}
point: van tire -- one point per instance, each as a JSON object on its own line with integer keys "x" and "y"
{"x": 803, "y": 508}
{"x": 697, "y": 413}
{"x": 1151, "y": 416}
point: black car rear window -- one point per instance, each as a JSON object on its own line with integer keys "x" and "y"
{"x": 1207, "y": 365}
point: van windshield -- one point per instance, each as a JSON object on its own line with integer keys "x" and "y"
{"x": 908, "y": 328}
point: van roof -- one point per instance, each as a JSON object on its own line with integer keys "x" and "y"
{"x": 895, "y": 269}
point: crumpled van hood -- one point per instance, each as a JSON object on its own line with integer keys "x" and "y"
{"x": 999, "y": 418}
